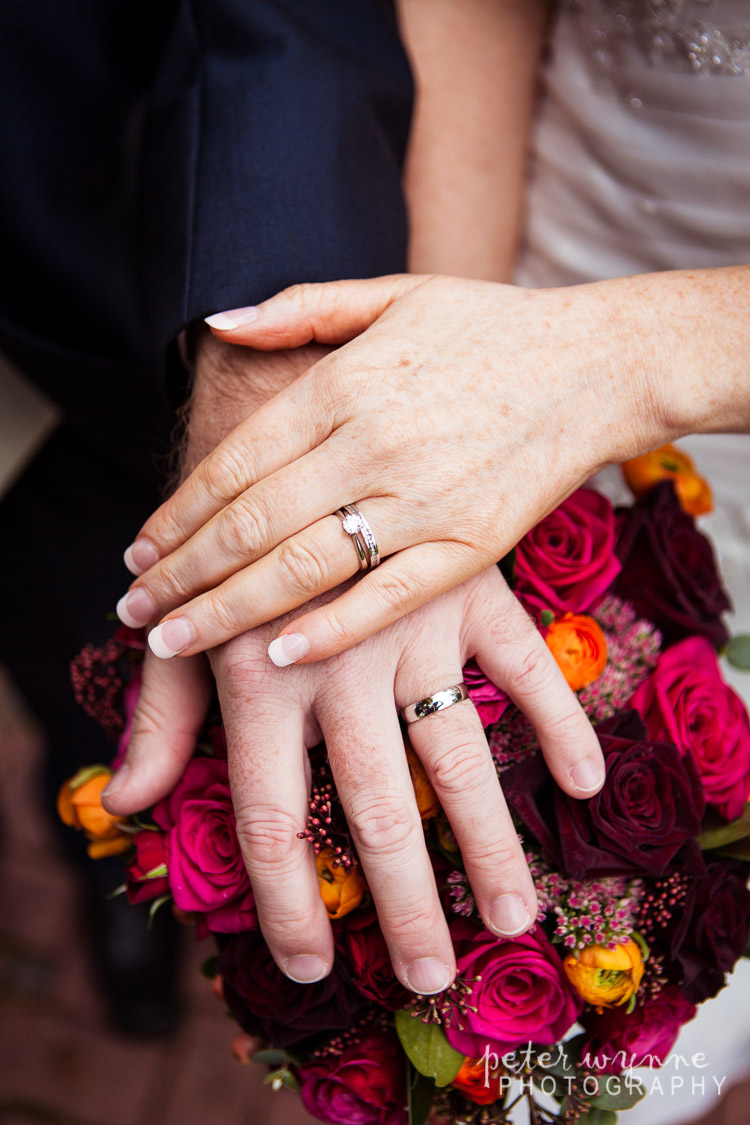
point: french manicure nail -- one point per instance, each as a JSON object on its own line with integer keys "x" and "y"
{"x": 288, "y": 649}
{"x": 117, "y": 781}
{"x": 136, "y": 608}
{"x": 509, "y": 915}
{"x": 232, "y": 318}
{"x": 428, "y": 975}
{"x": 587, "y": 776}
{"x": 172, "y": 637}
{"x": 139, "y": 556}
{"x": 306, "y": 968}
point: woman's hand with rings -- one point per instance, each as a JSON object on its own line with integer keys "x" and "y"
{"x": 458, "y": 414}
{"x": 272, "y": 716}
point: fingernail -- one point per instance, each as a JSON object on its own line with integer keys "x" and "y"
{"x": 587, "y": 776}
{"x": 428, "y": 975}
{"x": 116, "y": 781}
{"x": 232, "y": 318}
{"x": 287, "y": 649}
{"x": 306, "y": 968}
{"x": 139, "y": 556}
{"x": 172, "y": 637}
{"x": 509, "y": 915}
{"x": 136, "y": 608}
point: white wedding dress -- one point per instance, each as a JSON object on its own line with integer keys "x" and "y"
{"x": 640, "y": 162}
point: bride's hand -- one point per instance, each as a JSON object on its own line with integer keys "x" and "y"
{"x": 458, "y": 415}
{"x": 272, "y": 716}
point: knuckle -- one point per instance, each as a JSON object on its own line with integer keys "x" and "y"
{"x": 381, "y": 826}
{"x": 241, "y": 529}
{"x": 396, "y": 591}
{"x": 409, "y": 926}
{"x": 224, "y": 474}
{"x": 302, "y": 571}
{"x": 462, "y": 770}
{"x": 268, "y": 835}
{"x": 532, "y": 673}
{"x": 226, "y": 616}
{"x": 168, "y": 579}
{"x": 501, "y": 855}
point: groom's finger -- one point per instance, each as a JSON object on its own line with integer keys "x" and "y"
{"x": 269, "y": 794}
{"x": 367, "y": 755}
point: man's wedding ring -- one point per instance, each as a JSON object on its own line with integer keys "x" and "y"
{"x": 358, "y": 529}
{"x": 434, "y": 703}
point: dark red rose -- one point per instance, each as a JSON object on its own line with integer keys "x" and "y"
{"x": 568, "y": 561}
{"x": 519, "y": 992}
{"x": 619, "y": 1039}
{"x": 648, "y": 809}
{"x": 686, "y": 701}
{"x": 265, "y": 1002}
{"x": 710, "y": 933}
{"x": 150, "y": 855}
{"x": 359, "y": 940}
{"x": 365, "y": 1084}
{"x": 669, "y": 572}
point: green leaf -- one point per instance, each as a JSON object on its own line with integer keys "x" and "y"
{"x": 547, "y": 617}
{"x": 716, "y": 835}
{"x": 209, "y": 967}
{"x": 427, "y": 1048}
{"x": 421, "y": 1095}
{"x": 282, "y": 1077}
{"x": 738, "y": 652}
{"x": 598, "y": 1117}
{"x": 85, "y": 774}
{"x": 271, "y": 1056}
{"x": 155, "y": 905}
{"x": 740, "y": 850}
{"x": 618, "y": 1093}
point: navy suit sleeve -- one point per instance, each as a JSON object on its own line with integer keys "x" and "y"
{"x": 274, "y": 146}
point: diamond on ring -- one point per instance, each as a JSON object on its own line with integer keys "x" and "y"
{"x": 362, "y": 536}
{"x": 352, "y": 524}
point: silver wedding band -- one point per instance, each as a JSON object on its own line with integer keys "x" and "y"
{"x": 361, "y": 534}
{"x": 434, "y": 703}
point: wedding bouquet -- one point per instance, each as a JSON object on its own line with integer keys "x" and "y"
{"x": 644, "y": 906}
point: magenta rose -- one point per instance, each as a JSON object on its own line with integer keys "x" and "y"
{"x": 568, "y": 561}
{"x": 490, "y": 701}
{"x": 206, "y": 872}
{"x": 360, "y": 941}
{"x": 365, "y": 1084}
{"x": 669, "y": 573}
{"x": 619, "y": 1039}
{"x": 648, "y": 810}
{"x": 523, "y": 995}
{"x": 686, "y": 701}
{"x": 150, "y": 855}
{"x": 267, "y": 1003}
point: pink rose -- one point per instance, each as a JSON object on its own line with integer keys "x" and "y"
{"x": 206, "y": 872}
{"x": 523, "y": 995}
{"x": 643, "y": 1037}
{"x": 686, "y": 701}
{"x": 568, "y": 561}
{"x": 489, "y": 700}
{"x": 365, "y": 1083}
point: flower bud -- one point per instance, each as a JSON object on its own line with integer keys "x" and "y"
{"x": 669, "y": 463}
{"x": 340, "y": 889}
{"x": 580, "y": 648}
{"x": 606, "y": 978}
{"x": 79, "y": 805}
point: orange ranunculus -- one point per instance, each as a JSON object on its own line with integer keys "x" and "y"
{"x": 605, "y": 977}
{"x": 478, "y": 1082}
{"x": 579, "y": 647}
{"x": 427, "y": 801}
{"x": 79, "y": 805}
{"x": 669, "y": 463}
{"x": 341, "y": 890}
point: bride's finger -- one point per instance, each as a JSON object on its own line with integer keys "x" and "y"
{"x": 318, "y": 559}
{"x": 246, "y": 530}
{"x": 452, "y": 747}
{"x": 269, "y": 795}
{"x": 511, "y": 652}
{"x": 366, "y": 752}
{"x": 330, "y": 312}
{"x": 296, "y": 420}
{"x": 401, "y": 584}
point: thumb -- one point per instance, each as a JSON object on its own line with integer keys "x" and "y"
{"x": 332, "y": 312}
{"x": 172, "y": 705}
